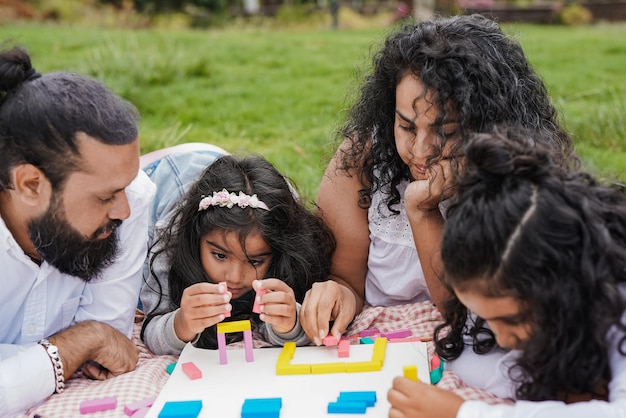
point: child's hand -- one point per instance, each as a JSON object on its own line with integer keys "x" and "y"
{"x": 278, "y": 305}
{"x": 415, "y": 399}
{"x": 202, "y": 305}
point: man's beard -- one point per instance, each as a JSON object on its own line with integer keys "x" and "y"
{"x": 63, "y": 247}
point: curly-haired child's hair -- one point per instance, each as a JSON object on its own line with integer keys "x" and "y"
{"x": 554, "y": 240}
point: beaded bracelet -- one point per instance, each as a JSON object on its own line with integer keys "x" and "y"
{"x": 57, "y": 364}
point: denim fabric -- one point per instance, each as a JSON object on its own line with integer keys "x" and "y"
{"x": 173, "y": 175}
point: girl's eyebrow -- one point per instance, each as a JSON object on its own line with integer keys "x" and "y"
{"x": 225, "y": 251}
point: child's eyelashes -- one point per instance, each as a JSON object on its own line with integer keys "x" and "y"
{"x": 219, "y": 256}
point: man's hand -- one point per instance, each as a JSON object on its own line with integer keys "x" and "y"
{"x": 106, "y": 351}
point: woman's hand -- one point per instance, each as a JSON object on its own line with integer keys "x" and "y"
{"x": 424, "y": 195}
{"x": 201, "y": 306}
{"x": 324, "y": 302}
{"x": 411, "y": 399}
{"x": 277, "y": 305}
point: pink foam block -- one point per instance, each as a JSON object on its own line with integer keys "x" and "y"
{"x": 226, "y": 313}
{"x": 344, "y": 348}
{"x": 96, "y": 405}
{"x": 248, "y": 345}
{"x": 435, "y": 362}
{"x": 221, "y": 347}
{"x": 401, "y": 333}
{"x": 192, "y": 370}
{"x": 131, "y": 408}
{"x": 141, "y": 413}
{"x": 369, "y": 332}
{"x": 257, "y": 306}
{"x": 329, "y": 340}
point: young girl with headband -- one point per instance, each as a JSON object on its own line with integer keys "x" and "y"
{"x": 536, "y": 256}
{"x": 239, "y": 236}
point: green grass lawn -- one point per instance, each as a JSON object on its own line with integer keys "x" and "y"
{"x": 282, "y": 93}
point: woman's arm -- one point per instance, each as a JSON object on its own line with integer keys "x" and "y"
{"x": 342, "y": 297}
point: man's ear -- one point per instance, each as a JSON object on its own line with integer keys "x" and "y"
{"x": 31, "y": 185}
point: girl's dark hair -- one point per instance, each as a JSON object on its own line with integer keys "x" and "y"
{"x": 473, "y": 69}
{"x": 41, "y": 114}
{"x": 553, "y": 239}
{"x": 301, "y": 243}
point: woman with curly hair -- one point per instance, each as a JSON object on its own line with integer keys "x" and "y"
{"x": 385, "y": 191}
{"x": 539, "y": 254}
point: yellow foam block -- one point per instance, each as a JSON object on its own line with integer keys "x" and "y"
{"x": 282, "y": 369}
{"x": 339, "y": 367}
{"x": 234, "y": 326}
{"x": 363, "y": 366}
{"x": 410, "y": 372}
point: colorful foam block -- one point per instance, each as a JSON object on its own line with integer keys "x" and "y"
{"x": 410, "y": 372}
{"x": 181, "y": 409}
{"x": 257, "y": 306}
{"x": 369, "y": 332}
{"x": 170, "y": 367}
{"x": 435, "y": 361}
{"x": 343, "y": 349}
{"x": 191, "y": 370}
{"x": 346, "y": 407}
{"x": 401, "y": 333}
{"x": 366, "y": 340}
{"x": 233, "y": 326}
{"x": 221, "y": 347}
{"x": 224, "y": 328}
{"x": 369, "y": 397}
{"x": 141, "y": 413}
{"x": 261, "y": 408}
{"x": 96, "y": 405}
{"x": 248, "y": 345}
{"x": 329, "y": 340}
{"x": 131, "y": 408}
{"x": 321, "y": 368}
{"x": 363, "y": 366}
{"x": 283, "y": 366}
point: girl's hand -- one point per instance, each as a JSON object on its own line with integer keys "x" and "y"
{"x": 425, "y": 195}
{"x": 410, "y": 399}
{"x": 278, "y": 305}
{"x": 201, "y": 306}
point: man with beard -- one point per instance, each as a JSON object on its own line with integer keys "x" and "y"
{"x": 73, "y": 231}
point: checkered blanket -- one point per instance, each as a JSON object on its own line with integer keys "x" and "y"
{"x": 150, "y": 375}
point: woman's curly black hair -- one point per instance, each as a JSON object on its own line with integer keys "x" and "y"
{"x": 474, "y": 70}
{"x": 553, "y": 239}
{"x": 301, "y": 243}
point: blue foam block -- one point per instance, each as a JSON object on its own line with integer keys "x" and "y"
{"x": 369, "y": 397}
{"x": 181, "y": 409}
{"x": 347, "y": 407}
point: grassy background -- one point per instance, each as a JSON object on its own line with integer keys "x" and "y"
{"x": 281, "y": 93}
